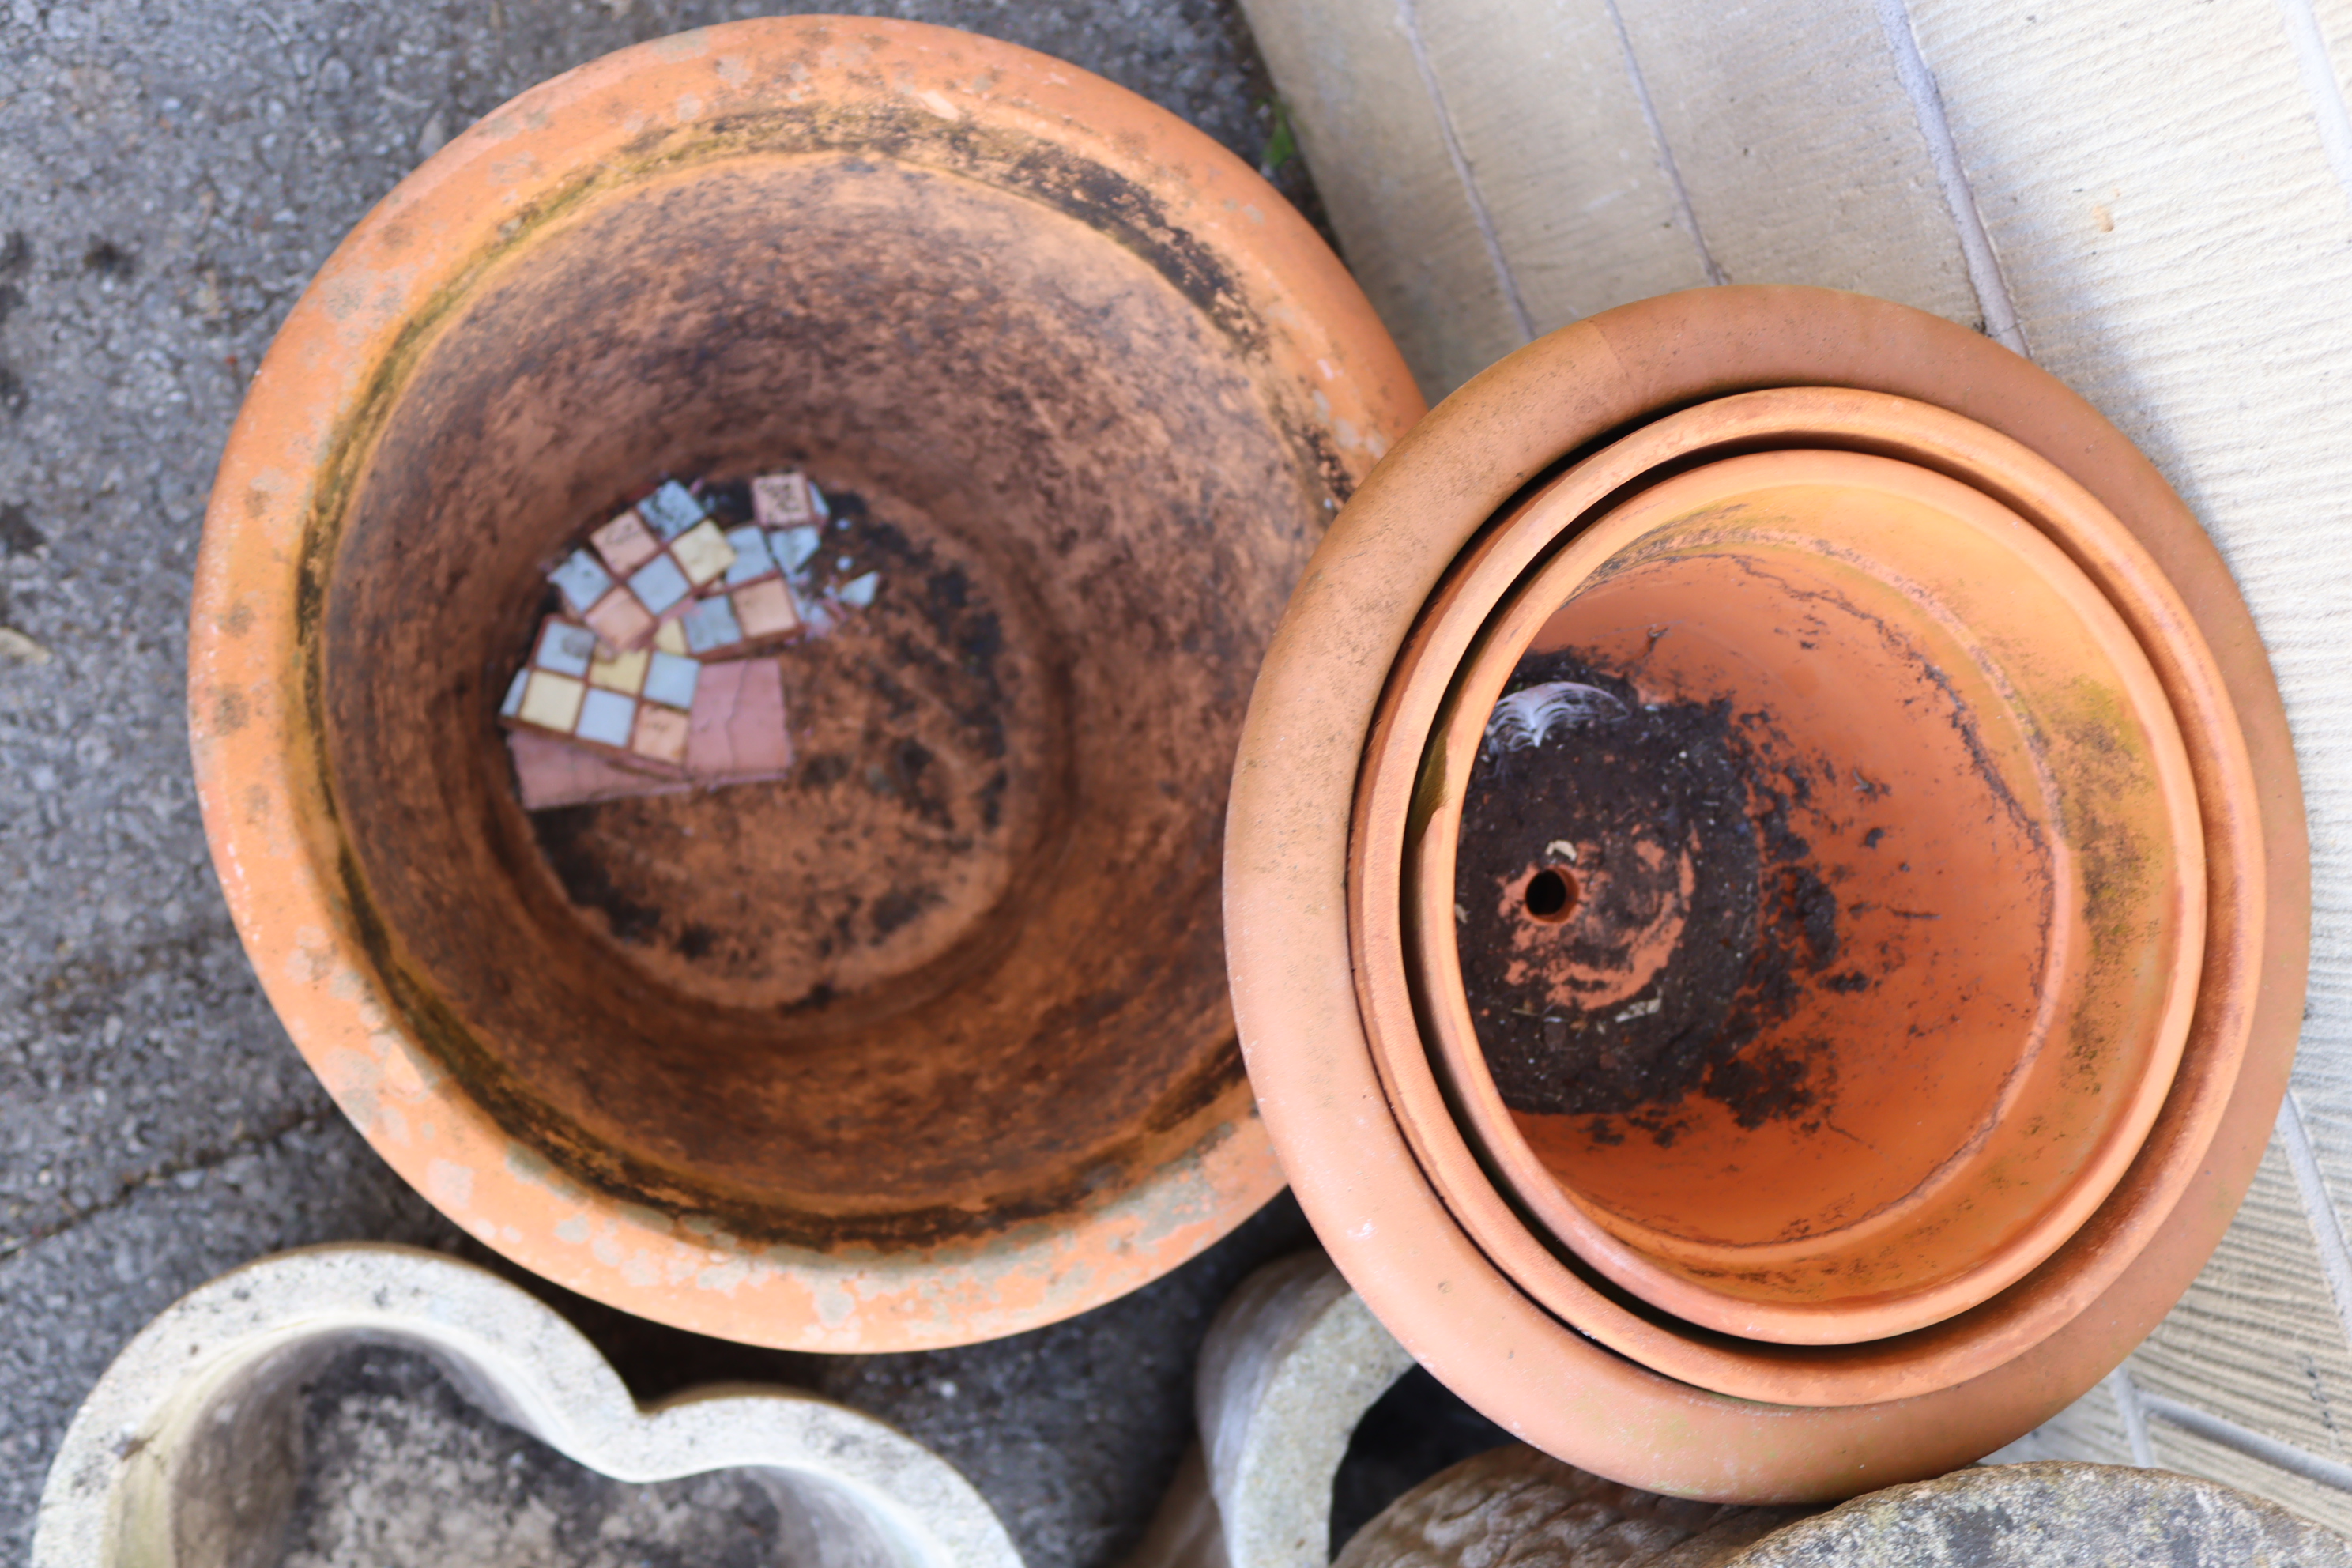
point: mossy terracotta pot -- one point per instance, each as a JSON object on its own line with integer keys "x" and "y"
{"x": 1831, "y": 975}
{"x": 929, "y": 1042}
{"x": 1482, "y": 1246}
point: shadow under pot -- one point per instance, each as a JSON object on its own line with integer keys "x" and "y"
{"x": 927, "y": 1042}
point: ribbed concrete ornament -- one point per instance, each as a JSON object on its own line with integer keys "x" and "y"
{"x": 2154, "y": 203}
{"x": 186, "y": 1454}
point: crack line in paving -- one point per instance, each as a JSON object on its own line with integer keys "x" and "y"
{"x": 157, "y": 1176}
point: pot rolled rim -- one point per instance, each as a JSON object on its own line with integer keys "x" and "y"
{"x": 1287, "y": 891}
{"x": 1513, "y": 623}
{"x": 256, "y": 736}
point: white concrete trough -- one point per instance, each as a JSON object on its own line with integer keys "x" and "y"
{"x": 187, "y": 1453}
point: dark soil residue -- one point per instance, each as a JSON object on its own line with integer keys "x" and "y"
{"x": 1696, "y": 917}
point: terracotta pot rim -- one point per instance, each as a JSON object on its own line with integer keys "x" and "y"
{"x": 256, "y": 742}
{"x": 1611, "y": 1247}
{"x": 1286, "y": 903}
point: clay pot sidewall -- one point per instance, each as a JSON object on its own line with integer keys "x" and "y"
{"x": 693, "y": 1222}
{"x": 1687, "y": 1276}
{"x": 1289, "y": 904}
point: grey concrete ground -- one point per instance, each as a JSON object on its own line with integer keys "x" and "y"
{"x": 171, "y": 171}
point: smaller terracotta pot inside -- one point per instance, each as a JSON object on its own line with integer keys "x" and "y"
{"x": 1809, "y": 939}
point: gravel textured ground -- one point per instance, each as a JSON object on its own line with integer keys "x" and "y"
{"x": 171, "y": 171}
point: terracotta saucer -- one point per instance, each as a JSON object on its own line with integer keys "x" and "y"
{"x": 1859, "y": 1015}
{"x": 1354, "y": 1148}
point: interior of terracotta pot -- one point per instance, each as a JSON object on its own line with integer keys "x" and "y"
{"x": 1815, "y": 887}
{"x": 963, "y": 967}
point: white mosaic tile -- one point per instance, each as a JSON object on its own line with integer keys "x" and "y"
{"x": 564, "y": 647}
{"x": 512, "y": 707}
{"x": 607, "y": 718}
{"x": 710, "y": 625}
{"x": 659, "y": 584}
{"x": 752, "y": 561}
{"x": 582, "y": 580}
{"x": 672, "y": 509}
{"x": 670, "y": 677}
{"x": 794, "y": 548}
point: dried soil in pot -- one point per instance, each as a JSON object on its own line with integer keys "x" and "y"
{"x": 930, "y": 1041}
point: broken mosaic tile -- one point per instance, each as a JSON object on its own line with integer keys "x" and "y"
{"x": 703, "y": 554}
{"x": 670, "y": 678}
{"x": 796, "y": 547}
{"x": 661, "y": 733}
{"x": 672, "y": 509}
{"x": 551, "y": 770}
{"x": 607, "y": 718}
{"x": 625, "y": 543}
{"x": 659, "y": 584}
{"x": 623, "y": 672}
{"x": 765, "y": 609}
{"x": 620, "y": 619}
{"x": 564, "y": 647}
{"x": 582, "y": 581}
{"x": 752, "y": 561}
{"x": 710, "y": 625}
{"x": 552, "y": 701}
{"x": 708, "y": 750}
{"x": 783, "y": 500}
{"x": 738, "y": 731}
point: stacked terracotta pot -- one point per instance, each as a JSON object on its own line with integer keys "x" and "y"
{"x": 1763, "y": 891}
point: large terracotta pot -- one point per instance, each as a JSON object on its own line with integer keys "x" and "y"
{"x": 1332, "y": 784}
{"x": 929, "y": 1042}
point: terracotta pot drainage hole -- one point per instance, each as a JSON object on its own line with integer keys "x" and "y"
{"x": 1551, "y": 894}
